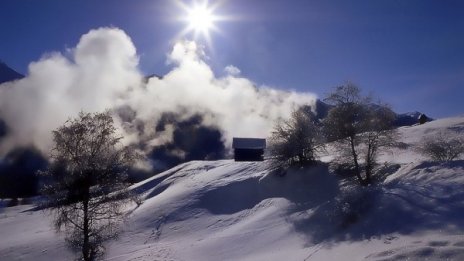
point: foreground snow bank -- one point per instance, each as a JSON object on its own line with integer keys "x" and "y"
{"x": 239, "y": 211}
{"x": 225, "y": 210}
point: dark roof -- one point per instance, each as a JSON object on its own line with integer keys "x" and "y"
{"x": 248, "y": 143}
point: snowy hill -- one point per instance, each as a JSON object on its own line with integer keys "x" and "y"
{"x": 225, "y": 210}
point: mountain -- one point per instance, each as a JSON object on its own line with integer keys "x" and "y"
{"x": 7, "y": 74}
{"x": 402, "y": 119}
{"x": 409, "y": 118}
{"x": 226, "y": 210}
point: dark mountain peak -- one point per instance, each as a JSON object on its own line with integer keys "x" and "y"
{"x": 7, "y": 74}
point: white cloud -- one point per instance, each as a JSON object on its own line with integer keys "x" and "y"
{"x": 102, "y": 74}
{"x": 98, "y": 76}
{"x": 232, "y": 70}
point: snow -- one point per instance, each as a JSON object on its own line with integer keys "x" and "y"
{"x": 28, "y": 235}
{"x": 226, "y": 210}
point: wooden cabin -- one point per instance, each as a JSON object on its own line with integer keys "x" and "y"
{"x": 248, "y": 149}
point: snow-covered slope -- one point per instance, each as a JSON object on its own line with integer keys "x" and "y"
{"x": 225, "y": 210}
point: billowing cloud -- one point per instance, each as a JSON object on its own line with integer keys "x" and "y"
{"x": 102, "y": 73}
{"x": 235, "y": 104}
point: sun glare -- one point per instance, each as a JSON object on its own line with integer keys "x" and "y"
{"x": 200, "y": 19}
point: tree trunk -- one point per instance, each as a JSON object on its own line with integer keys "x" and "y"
{"x": 368, "y": 164}
{"x": 355, "y": 160}
{"x": 86, "y": 251}
{"x": 85, "y": 245}
{"x": 367, "y": 180}
{"x": 370, "y": 160}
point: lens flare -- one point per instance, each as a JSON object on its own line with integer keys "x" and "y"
{"x": 200, "y": 19}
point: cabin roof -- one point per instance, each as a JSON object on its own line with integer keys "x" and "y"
{"x": 248, "y": 143}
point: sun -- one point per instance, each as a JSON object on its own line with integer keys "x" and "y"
{"x": 200, "y": 19}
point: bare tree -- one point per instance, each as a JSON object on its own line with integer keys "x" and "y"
{"x": 359, "y": 126}
{"x": 297, "y": 139}
{"x": 442, "y": 147}
{"x": 87, "y": 186}
{"x": 378, "y": 133}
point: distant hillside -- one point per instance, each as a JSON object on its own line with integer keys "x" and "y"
{"x": 7, "y": 74}
{"x": 402, "y": 119}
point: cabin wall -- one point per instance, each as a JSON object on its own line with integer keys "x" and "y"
{"x": 248, "y": 154}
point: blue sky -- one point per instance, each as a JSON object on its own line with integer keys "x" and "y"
{"x": 408, "y": 53}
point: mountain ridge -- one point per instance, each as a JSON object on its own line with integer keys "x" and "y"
{"x": 401, "y": 119}
{"x": 8, "y": 74}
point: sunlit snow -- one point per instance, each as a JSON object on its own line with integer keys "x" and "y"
{"x": 225, "y": 210}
